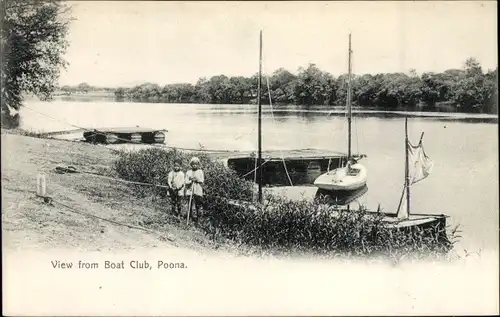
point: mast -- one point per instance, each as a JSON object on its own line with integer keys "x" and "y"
{"x": 349, "y": 111}
{"x": 259, "y": 133}
{"x": 407, "y": 167}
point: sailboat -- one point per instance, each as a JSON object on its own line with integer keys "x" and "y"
{"x": 403, "y": 219}
{"x": 418, "y": 166}
{"x": 353, "y": 175}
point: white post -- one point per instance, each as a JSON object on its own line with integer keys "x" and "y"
{"x": 41, "y": 185}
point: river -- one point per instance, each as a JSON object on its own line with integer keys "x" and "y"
{"x": 464, "y": 148}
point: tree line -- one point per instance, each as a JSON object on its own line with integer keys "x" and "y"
{"x": 83, "y": 88}
{"x": 34, "y": 40}
{"x": 463, "y": 90}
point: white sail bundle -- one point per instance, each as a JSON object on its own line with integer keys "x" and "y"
{"x": 419, "y": 167}
{"x": 420, "y": 164}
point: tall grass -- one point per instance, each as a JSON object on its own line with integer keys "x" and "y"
{"x": 280, "y": 224}
{"x": 153, "y": 165}
{"x": 284, "y": 224}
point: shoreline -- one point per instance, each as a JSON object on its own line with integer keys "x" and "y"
{"x": 417, "y": 111}
{"x": 30, "y": 224}
{"x": 93, "y": 196}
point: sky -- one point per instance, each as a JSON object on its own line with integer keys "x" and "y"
{"x": 125, "y": 43}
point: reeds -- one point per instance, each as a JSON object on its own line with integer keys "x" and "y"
{"x": 281, "y": 224}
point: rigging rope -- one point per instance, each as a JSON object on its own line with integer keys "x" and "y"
{"x": 256, "y": 168}
{"x": 72, "y": 170}
{"x": 131, "y": 141}
{"x": 244, "y": 134}
{"x": 254, "y": 177}
{"x": 272, "y": 115}
{"x": 72, "y": 209}
{"x": 355, "y": 118}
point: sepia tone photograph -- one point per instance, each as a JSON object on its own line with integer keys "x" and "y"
{"x": 177, "y": 158}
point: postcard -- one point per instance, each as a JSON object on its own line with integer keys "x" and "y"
{"x": 264, "y": 158}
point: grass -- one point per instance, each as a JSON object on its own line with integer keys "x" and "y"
{"x": 30, "y": 133}
{"x": 279, "y": 225}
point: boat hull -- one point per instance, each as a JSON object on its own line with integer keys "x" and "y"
{"x": 339, "y": 180}
{"x": 134, "y": 135}
{"x": 432, "y": 224}
{"x": 340, "y": 197}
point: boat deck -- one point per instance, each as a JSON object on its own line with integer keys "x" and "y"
{"x": 273, "y": 155}
{"x": 120, "y": 130}
{"x": 125, "y": 135}
{"x": 303, "y": 166}
{"x": 414, "y": 220}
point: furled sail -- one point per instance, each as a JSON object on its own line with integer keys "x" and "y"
{"x": 420, "y": 164}
{"x": 420, "y": 167}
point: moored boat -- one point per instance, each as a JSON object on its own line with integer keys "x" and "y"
{"x": 135, "y": 135}
{"x": 353, "y": 175}
{"x": 348, "y": 178}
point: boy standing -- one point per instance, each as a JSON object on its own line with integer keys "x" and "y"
{"x": 176, "y": 187}
{"x": 194, "y": 185}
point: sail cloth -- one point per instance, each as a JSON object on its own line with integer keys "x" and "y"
{"x": 420, "y": 167}
{"x": 420, "y": 164}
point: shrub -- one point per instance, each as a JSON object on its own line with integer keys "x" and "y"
{"x": 153, "y": 165}
{"x": 279, "y": 224}
{"x": 284, "y": 224}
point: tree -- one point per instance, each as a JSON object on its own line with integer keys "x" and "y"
{"x": 282, "y": 85}
{"x": 311, "y": 86}
{"x": 365, "y": 89}
{"x": 241, "y": 89}
{"x": 201, "y": 90}
{"x": 33, "y": 40}
{"x": 120, "y": 94}
{"x": 83, "y": 87}
{"x": 220, "y": 89}
{"x": 473, "y": 67}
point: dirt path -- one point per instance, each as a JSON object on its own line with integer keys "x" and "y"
{"x": 31, "y": 224}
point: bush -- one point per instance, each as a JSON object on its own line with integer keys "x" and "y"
{"x": 153, "y": 165}
{"x": 279, "y": 224}
{"x": 283, "y": 224}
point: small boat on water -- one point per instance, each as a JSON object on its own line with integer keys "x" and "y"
{"x": 353, "y": 175}
{"x": 341, "y": 198}
{"x": 418, "y": 166}
{"x": 433, "y": 225}
{"x": 421, "y": 167}
{"x": 135, "y": 135}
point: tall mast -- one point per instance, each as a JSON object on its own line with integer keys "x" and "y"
{"x": 407, "y": 167}
{"x": 259, "y": 160}
{"x": 349, "y": 112}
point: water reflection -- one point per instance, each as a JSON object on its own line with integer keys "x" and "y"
{"x": 341, "y": 198}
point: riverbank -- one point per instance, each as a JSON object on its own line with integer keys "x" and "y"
{"x": 35, "y": 233}
{"x": 94, "y": 213}
{"x": 31, "y": 224}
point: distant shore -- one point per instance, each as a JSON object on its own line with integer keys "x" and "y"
{"x": 468, "y": 89}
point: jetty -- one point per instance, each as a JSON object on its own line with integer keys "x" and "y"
{"x": 125, "y": 135}
{"x": 284, "y": 167}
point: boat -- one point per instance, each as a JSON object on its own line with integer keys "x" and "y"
{"x": 418, "y": 166}
{"x": 421, "y": 167}
{"x": 351, "y": 175}
{"x": 433, "y": 225}
{"x": 135, "y": 135}
{"x": 340, "y": 198}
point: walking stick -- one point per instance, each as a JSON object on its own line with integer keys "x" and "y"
{"x": 189, "y": 205}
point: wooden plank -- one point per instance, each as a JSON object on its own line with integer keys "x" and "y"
{"x": 293, "y": 154}
{"x": 126, "y": 130}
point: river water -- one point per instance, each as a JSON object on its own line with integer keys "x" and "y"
{"x": 464, "y": 148}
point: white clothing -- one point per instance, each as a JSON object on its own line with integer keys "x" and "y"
{"x": 176, "y": 181}
{"x": 199, "y": 176}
